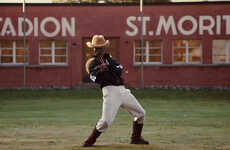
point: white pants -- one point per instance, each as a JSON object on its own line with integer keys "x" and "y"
{"x": 115, "y": 97}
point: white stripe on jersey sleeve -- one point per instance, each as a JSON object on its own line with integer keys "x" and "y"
{"x": 120, "y": 66}
{"x": 93, "y": 78}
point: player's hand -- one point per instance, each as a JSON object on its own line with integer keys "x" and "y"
{"x": 102, "y": 67}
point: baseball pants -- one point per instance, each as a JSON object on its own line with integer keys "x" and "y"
{"x": 115, "y": 97}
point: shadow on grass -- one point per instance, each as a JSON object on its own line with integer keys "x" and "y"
{"x": 117, "y": 147}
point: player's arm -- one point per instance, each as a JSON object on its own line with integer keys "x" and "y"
{"x": 94, "y": 68}
{"x": 114, "y": 66}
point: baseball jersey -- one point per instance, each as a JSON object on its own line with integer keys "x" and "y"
{"x": 110, "y": 76}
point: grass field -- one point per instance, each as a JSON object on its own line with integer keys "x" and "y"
{"x": 63, "y": 119}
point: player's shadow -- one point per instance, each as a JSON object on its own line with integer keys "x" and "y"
{"x": 117, "y": 147}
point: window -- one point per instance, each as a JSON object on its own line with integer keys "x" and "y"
{"x": 152, "y": 52}
{"x": 12, "y": 52}
{"x": 221, "y": 51}
{"x": 53, "y": 52}
{"x": 187, "y": 51}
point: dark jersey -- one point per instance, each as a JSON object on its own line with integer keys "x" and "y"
{"x": 110, "y": 76}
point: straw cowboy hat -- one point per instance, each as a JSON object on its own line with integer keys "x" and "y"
{"x": 98, "y": 41}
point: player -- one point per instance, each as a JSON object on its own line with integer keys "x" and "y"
{"x": 107, "y": 72}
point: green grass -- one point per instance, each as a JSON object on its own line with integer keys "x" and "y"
{"x": 62, "y": 120}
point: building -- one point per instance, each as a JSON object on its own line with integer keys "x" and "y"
{"x": 186, "y": 44}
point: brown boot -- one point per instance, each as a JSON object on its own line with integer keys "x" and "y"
{"x": 92, "y": 138}
{"x": 136, "y": 135}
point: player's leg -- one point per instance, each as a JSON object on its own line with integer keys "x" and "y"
{"x": 110, "y": 107}
{"x": 92, "y": 138}
{"x": 130, "y": 104}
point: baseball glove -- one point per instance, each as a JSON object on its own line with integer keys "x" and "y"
{"x": 87, "y": 64}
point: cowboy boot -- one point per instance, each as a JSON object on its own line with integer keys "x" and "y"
{"x": 92, "y": 138}
{"x": 136, "y": 135}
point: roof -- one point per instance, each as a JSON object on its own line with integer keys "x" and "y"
{"x": 119, "y": 4}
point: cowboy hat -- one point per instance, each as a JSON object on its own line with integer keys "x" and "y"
{"x": 98, "y": 41}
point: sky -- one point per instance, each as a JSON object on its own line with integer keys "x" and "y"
{"x": 49, "y": 1}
